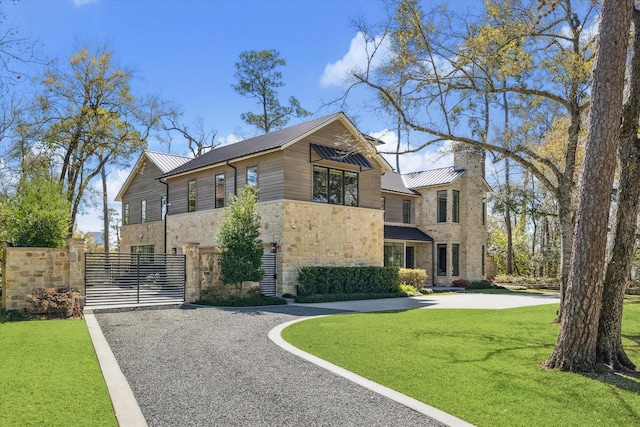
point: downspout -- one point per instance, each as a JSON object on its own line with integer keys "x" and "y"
{"x": 166, "y": 214}
{"x": 235, "y": 178}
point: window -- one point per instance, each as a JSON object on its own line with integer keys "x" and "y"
{"x": 442, "y": 260}
{"x": 191, "y": 194}
{"x": 143, "y": 211}
{"x": 482, "y": 261}
{"x": 143, "y": 249}
{"x": 163, "y": 206}
{"x": 219, "y": 190}
{"x": 393, "y": 254}
{"x": 252, "y": 176}
{"x": 383, "y": 207}
{"x": 125, "y": 214}
{"x": 484, "y": 212}
{"x": 406, "y": 211}
{"x": 335, "y": 186}
{"x": 455, "y": 208}
{"x": 409, "y": 257}
{"x": 442, "y": 206}
{"x": 455, "y": 259}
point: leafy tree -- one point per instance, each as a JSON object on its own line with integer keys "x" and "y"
{"x": 37, "y": 215}
{"x": 575, "y": 349}
{"x": 239, "y": 237}
{"x": 258, "y": 77}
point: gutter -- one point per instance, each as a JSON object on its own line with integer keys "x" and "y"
{"x": 235, "y": 178}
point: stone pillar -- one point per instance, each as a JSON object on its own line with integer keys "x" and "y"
{"x": 193, "y": 283}
{"x": 75, "y": 248}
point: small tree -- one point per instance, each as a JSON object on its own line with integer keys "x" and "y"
{"x": 241, "y": 246}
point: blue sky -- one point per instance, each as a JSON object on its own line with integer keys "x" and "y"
{"x": 185, "y": 51}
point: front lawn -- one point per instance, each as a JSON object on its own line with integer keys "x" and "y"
{"x": 480, "y": 365}
{"x": 50, "y": 376}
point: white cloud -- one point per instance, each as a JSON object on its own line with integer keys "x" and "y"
{"x": 336, "y": 73}
{"x": 229, "y": 139}
{"x": 434, "y": 157}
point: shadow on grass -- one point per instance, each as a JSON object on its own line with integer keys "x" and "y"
{"x": 628, "y": 381}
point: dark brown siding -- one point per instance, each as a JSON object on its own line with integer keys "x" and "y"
{"x": 298, "y": 168}
{"x": 145, "y": 186}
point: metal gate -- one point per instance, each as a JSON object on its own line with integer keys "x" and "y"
{"x": 134, "y": 279}
{"x": 268, "y": 283}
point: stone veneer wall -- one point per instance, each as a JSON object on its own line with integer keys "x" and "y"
{"x": 26, "y": 269}
{"x": 149, "y": 233}
{"x": 327, "y": 235}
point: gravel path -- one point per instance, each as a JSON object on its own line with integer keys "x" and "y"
{"x": 211, "y": 366}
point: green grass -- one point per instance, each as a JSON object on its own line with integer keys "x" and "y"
{"x": 50, "y": 376}
{"x": 480, "y": 365}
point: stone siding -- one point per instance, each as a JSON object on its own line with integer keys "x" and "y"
{"x": 149, "y": 233}
{"x": 27, "y": 269}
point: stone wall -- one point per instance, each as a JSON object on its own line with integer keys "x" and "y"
{"x": 26, "y": 269}
{"x": 149, "y": 233}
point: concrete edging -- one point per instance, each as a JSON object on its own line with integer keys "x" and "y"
{"x": 125, "y": 405}
{"x": 416, "y": 405}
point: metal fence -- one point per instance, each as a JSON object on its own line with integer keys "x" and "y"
{"x": 128, "y": 279}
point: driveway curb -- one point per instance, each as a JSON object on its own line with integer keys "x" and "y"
{"x": 125, "y": 405}
{"x": 276, "y": 336}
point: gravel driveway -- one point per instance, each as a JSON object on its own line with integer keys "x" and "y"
{"x": 210, "y": 366}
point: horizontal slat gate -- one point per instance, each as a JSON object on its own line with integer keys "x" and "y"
{"x": 268, "y": 282}
{"x": 128, "y": 279}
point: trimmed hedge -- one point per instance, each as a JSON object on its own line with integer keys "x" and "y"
{"x": 348, "y": 280}
{"x": 346, "y": 297}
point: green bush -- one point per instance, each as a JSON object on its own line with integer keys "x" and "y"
{"x": 408, "y": 289}
{"x": 254, "y": 301}
{"x": 347, "y": 280}
{"x": 426, "y": 291}
{"x": 55, "y": 302}
{"x": 346, "y": 297}
{"x": 413, "y": 277}
{"x": 482, "y": 284}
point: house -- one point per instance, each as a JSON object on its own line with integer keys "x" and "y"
{"x": 325, "y": 197}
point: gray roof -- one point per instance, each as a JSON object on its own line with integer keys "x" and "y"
{"x": 330, "y": 153}
{"x": 392, "y": 181}
{"x": 395, "y": 232}
{"x": 258, "y": 144}
{"x": 432, "y": 177}
{"x": 167, "y": 162}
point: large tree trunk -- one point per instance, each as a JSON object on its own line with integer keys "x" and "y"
{"x": 576, "y": 346}
{"x": 609, "y": 346}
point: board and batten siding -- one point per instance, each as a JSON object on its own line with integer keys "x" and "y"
{"x": 145, "y": 186}
{"x": 298, "y": 169}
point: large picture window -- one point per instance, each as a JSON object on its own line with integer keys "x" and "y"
{"x": 455, "y": 259}
{"x": 191, "y": 194}
{"x": 455, "y": 208}
{"x": 442, "y": 259}
{"x": 219, "y": 190}
{"x": 406, "y": 211}
{"x": 442, "y": 206}
{"x": 252, "y": 176}
{"x": 393, "y": 254}
{"x": 335, "y": 186}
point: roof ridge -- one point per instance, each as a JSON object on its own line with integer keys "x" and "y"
{"x": 167, "y": 154}
{"x": 428, "y": 170}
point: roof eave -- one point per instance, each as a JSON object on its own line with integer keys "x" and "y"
{"x": 130, "y": 178}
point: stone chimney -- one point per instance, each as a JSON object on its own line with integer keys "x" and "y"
{"x": 469, "y": 158}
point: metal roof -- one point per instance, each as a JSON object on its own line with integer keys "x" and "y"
{"x": 258, "y": 144}
{"x": 166, "y": 162}
{"x": 395, "y": 232}
{"x": 432, "y": 177}
{"x": 392, "y": 181}
{"x": 351, "y": 158}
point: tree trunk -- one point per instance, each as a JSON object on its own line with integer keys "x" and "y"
{"x": 576, "y": 346}
{"x": 105, "y": 211}
{"x": 609, "y": 346}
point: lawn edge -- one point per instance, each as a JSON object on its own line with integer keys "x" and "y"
{"x": 275, "y": 335}
{"x": 125, "y": 405}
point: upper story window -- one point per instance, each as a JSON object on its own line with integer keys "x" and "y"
{"x": 125, "y": 214}
{"x": 252, "y": 176}
{"x": 455, "y": 208}
{"x": 335, "y": 186}
{"x": 191, "y": 196}
{"x": 383, "y": 206}
{"x": 442, "y": 206}
{"x": 143, "y": 211}
{"x": 163, "y": 206}
{"x": 219, "y": 190}
{"x": 484, "y": 212}
{"x": 406, "y": 211}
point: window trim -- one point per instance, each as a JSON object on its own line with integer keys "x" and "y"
{"x": 455, "y": 259}
{"x": 215, "y": 190}
{"x": 439, "y": 261}
{"x": 455, "y": 206}
{"x": 441, "y": 211}
{"x": 125, "y": 214}
{"x": 406, "y": 211}
{"x": 143, "y": 211}
{"x": 246, "y": 176}
{"x": 193, "y": 182}
{"x": 327, "y": 172}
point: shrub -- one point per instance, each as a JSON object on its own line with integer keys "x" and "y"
{"x": 244, "y": 302}
{"x": 413, "y": 276}
{"x": 482, "y": 284}
{"x": 346, "y": 297}
{"x": 426, "y": 291}
{"x": 55, "y": 302}
{"x": 461, "y": 283}
{"x": 348, "y": 280}
{"x": 408, "y": 289}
